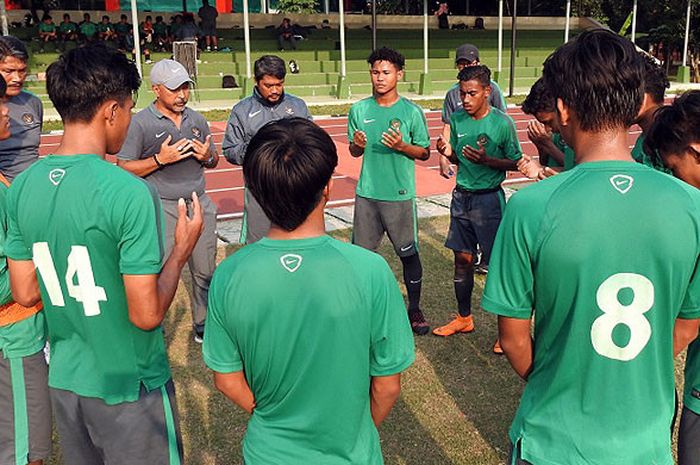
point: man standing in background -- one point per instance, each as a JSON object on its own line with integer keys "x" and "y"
{"x": 208, "y": 14}
{"x": 268, "y": 103}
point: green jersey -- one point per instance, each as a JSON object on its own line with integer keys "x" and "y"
{"x": 496, "y": 133}
{"x": 160, "y": 29}
{"x": 67, "y": 28}
{"x": 640, "y": 156}
{"x": 569, "y": 156}
{"x": 310, "y": 321}
{"x": 122, "y": 28}
{"x": 102, "y": 27}
{"x": 387, "y": 174}
{"x": 85, "y": 223}
{"x": 43, "y": 27}
{"x": 88, "y": 29}
{"x": 25, "y": 337}
{"x": 602, "y": 385}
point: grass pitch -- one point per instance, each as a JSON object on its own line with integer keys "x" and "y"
{"x": 457, "y": 400}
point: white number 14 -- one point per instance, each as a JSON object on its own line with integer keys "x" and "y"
{"x": 84, "y": 291}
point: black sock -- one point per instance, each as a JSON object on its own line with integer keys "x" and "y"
{"x": 464, "y": 284}
{"x": 413, "y": 279}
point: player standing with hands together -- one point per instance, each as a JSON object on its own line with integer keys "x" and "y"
{"x": 390, "y": 133}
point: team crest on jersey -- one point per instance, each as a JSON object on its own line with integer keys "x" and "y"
{"x": 28, "y": 118}
{"x": 196, "y": 133}
{"x": 56, "y": 176}
{"x": 622, "y": 183}
{"x": 289, "y": 111}
{"x": 395, "y": 124}
{"x": 482, "y": 140}
{"x": 291, "y": 262}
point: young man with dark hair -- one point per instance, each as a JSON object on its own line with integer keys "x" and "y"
{"x": 484, "y": 145}
{"x": 390, "y": 133}
{"x": 285, "y": 35}
{"x": 105, "y": 29}
{"x": 675, "y": 137}
{"x": 87, "y": 29}
{"x": 655, "y": 85}
{"x": 554, "y": 153}
{"x": 25, "y": 425}
{"x": 125, "y": 34}
{"x": 316, "y": 360}
{"x": 465, "y": 55}
{"x": 47, "y": 31}
{"x": 170, "y": 145}
{"x": 90, "y": 233}
{"x": 269, "y": 102}
{"x": 21, "y": 149}
{"x": 67, "y": 30}
{"x": 599, "y": 371}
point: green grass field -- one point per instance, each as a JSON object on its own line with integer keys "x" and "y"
{"x": 457, "y": 400}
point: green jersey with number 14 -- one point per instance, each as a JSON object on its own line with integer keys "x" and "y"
{"x": 85, "y": 223}
{"x": 602, "y": 385}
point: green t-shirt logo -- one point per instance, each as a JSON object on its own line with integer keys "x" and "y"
{"x": 395, "y": 124}
{"x": 622, "y": 183}
{"x": 291, "y": 262}
{"x": 483, "y": 140}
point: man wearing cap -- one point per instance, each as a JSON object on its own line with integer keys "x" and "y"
{"x": 169, "y": 145}
{"x": 268, "y": 103}
{"x": 467, "y": 55}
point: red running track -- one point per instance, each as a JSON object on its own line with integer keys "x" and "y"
{"x": 224, "y": 184}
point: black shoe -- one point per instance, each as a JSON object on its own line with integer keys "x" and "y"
{"x": 198, "y": 332}
{"x": 419, "y": 326}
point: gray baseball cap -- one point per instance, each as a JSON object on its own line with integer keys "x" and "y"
{"x": 169, "y": 73}
{"x": 467, "y": 52}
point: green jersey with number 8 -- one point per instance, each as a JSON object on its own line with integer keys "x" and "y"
{"x": 85, "y": 223}
{"x": 606, "y": 254}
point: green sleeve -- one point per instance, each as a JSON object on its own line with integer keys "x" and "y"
{"x": 392, "y": 348}
{"x": 419, "y": 129}
{"x": 511, "y": 144}
{"x": 220, "y": 350}
{"x": 510, "y": 286}
{"x": 352, "y": 123}
{"x": 690, "y": 309}
{"x": 15, "y": 247}
{"x": 5, "y": 292}
{"x": 138, "y": 218}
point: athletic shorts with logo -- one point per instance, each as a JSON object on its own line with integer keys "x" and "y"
{"x": 375, "y": 217}
{"x": 474, "y": 219}
{"x": 25, "y": 409}
{"x": 143, "y": 432}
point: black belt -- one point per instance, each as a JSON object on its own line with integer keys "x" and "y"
{"x": 477, "y": 191}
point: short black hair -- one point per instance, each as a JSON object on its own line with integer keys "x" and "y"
{"x": 269, "y": 65}
{"x": 655, "y": 79}
{"x": 675, "y": 126}
{"x": 479, "y": 73}
{"x": 11, "y": 46}
{"x": 387, "y": 54}
{"x": 287, "y": 165}
{"x": 66, "y": 15}
{"x": 105, "y": 17}
{"x": 84, "y": 78}
{"x": 599, "y": 75}
{"x": 539, "y": 100}
{"x": 123, "y": 17}
{"x": 45, "y": 17}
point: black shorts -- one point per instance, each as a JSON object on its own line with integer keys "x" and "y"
{"x": 474, "y": 220}
{"x": 25, "y": 409}
{"x": 398, "y": 219}
{"x": 689, "y": 438}
{"x": 143, "y": 432}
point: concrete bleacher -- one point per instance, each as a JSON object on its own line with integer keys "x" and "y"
{"x": 319, "y": 61}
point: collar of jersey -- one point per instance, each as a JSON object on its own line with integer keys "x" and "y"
{"x": 308, "y": 242}
{"x": 605, "y": 164}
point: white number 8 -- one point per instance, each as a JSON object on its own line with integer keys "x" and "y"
{"x": 615, "y": 313}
